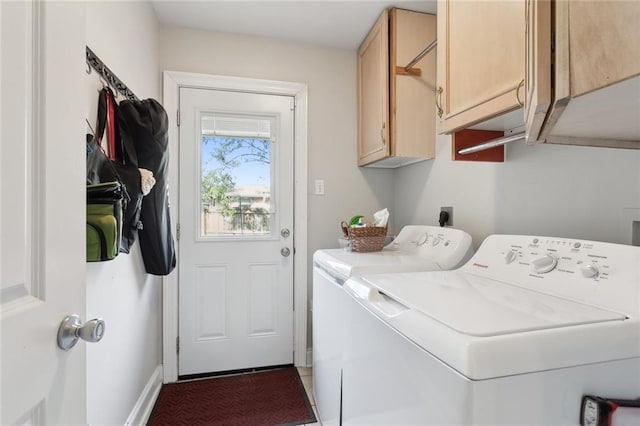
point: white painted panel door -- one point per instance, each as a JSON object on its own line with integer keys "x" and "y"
{"x": 42, "y": 253}
{"x": 236, "y": 231}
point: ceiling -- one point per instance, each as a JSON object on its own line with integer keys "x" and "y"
{"x": 341, "y": 24}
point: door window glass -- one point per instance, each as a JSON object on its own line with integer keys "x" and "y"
{"x": 236, "y": 159}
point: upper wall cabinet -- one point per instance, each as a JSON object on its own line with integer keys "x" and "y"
{"x": 587, "y": 91}
{"x": 396, "y": 112}
{"x": 481, "y": 64}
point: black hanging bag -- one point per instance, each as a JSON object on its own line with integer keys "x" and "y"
{"x": 145, "y": 123}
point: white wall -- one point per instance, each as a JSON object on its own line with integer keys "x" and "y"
{"x": 550, "y": 190}
{"x": 125, "y": 36}
{"x": 331, "y": 76}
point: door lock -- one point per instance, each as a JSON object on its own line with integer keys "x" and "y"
{"x": 285, "y": 232}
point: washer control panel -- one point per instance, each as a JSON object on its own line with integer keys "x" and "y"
{"x": 597, "y": 273}
{"x": 544, "y": 255}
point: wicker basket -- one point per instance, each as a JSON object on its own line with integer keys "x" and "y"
{"x": 366, "y": 239}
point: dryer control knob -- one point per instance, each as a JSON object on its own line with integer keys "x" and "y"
{"x": 589, "y": 271}
{"x": 544, "y": 264}
{"x": 510, "y": 257}
{"x": 435, "y": 242}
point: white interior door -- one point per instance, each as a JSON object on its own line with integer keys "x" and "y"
{"x": 236, "y": 230}
{"x": 42, "y": 200}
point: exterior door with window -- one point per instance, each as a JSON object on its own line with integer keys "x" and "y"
{"x": 235, "y": 238}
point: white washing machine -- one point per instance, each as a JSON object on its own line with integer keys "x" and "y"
{"x": 416, "y": 248}
{"x": 516, "y": 336}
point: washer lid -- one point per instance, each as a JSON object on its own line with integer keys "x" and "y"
{"x": 482, "y": 307}
{"x": 344, "y": 264}
{"x": 485, "y": 329}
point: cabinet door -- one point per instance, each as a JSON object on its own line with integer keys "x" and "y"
{"x": 412, "y": 110}
{"x": 538, "y": 67}
{"x": 596, "y": 78}
{"x": 373, "y": 94}
{"x": 604, "y": 40}
{"x": 480, "y": 60}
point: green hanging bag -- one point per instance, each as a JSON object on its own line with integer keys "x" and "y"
{"x": 104, "y": 221}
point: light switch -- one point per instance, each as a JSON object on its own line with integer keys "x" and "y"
{"x": 319, "y": 187}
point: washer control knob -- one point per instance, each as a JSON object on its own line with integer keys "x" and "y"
{"x": 510, "y": 257}
{"x": 589, "y": 271}
{"x": 435, "y": 242}
{"x": 544, "y": 264}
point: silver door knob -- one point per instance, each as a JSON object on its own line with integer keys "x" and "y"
{"x": 285, "y": 252}
{"x": 71, "y": 330}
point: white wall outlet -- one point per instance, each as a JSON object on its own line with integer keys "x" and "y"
{"x": 449, "y": 210}
{"x": 319, "y": 187}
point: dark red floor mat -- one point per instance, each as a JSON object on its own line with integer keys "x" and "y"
{"x": 274, "y": 397}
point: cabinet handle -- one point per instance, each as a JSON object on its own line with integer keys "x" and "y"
{"x": 518, "y": 92}
{"x": 439, "y": 101}
{"x": 384, "y": 125}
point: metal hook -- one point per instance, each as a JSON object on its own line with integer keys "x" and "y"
{"x": 116, "y": 94}
{"x": 88, "y": 68}
{"x": 104, "y": 81}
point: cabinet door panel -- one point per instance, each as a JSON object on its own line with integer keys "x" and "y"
{"x": 604, "y": 43}
{"x": 597, "y": 75}
{"x": 481, "y": 59}
{"x": 373, "y": 91}
{"x": 412, "y": 112}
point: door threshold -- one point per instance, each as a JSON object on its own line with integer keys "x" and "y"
{"x": 199, "y": 376}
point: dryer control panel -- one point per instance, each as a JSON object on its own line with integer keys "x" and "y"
{"x": 448, "y": 247}
{"x": 600, "y": 274}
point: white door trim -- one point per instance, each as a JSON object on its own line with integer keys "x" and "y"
{"x": 172, "y": 81}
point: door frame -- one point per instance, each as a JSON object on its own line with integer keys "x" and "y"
{"x": 172, "y": 82}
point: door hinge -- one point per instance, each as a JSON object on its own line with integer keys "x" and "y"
{"x": 178, "y": 344}
{"x": 178, "y": 232}
{"x": 178, "y": 117}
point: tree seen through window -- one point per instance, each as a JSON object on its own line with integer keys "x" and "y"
{"x": 236, "y": 185}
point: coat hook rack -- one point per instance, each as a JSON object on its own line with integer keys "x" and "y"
{"x": 105, "y": 73}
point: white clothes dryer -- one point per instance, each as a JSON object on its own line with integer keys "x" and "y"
{"x": 516, "y": 336}
{"x": 416, "y": 248}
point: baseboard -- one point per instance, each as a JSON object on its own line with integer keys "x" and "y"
{"x": 142, "y": 410}
{"x": 309, "y": 358}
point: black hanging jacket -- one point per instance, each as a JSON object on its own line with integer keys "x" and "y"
{"x": 146, "y": 123}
